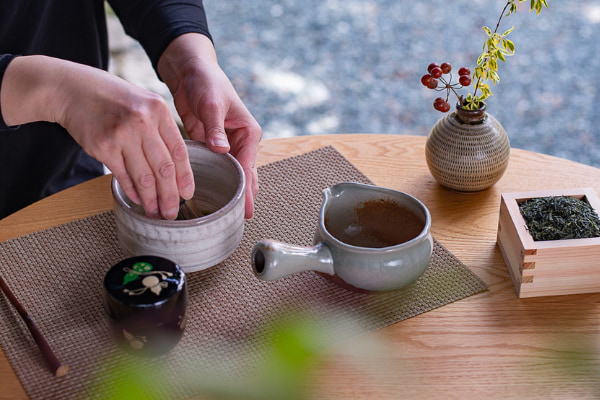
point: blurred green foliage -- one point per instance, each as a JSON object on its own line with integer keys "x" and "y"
{"x": 289, "y": 354}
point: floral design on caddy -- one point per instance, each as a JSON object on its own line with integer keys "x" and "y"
{"x": 150, "y": 281}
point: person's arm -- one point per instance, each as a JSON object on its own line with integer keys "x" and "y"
{"x": 127, "y": 128}
{"x": 5, "y": 59}
{"x": 156, "y": 23}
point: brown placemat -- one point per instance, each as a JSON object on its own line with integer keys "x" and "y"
{"x": 57, "y": 274}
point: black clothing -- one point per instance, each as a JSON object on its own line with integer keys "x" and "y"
{"x": 41, "y": 158}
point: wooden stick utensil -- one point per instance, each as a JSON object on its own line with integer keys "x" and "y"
{"x": 55, "y": 366}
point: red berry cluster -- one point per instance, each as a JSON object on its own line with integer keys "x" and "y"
{"x": 435, "y": 80}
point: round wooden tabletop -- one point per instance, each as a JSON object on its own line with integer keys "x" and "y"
{"x": 491, "y": 345}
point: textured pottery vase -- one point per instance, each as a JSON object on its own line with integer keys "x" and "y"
{"x": 467, "y": 150}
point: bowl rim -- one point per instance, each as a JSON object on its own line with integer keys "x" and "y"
{"x": 237, "y": 197}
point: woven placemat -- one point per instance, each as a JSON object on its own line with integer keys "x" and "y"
{"x": 57, "y": 274}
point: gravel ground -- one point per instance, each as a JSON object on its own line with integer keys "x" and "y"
{"x": 307, "y": 67}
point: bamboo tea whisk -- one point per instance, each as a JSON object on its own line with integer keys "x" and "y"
{"x": 188, "y": 210}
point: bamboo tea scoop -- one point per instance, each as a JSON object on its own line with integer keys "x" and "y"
{"x": 55, "y": 366}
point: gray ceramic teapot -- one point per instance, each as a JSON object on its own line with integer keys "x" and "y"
{"x": 368, "y": 237}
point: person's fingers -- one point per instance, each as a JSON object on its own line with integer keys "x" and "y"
{"x": 213, "y": 116}
{"x": 193, "y": 127}
{"x": 177, "y": 149}
{"x": 143, "y": 178}
{"x": 117, "y": 167}
{"x": 149, "y": 175}
{"x": 164, "y": 174}
{"x": 244, "y": 145}
{"x": 251, "y": 191}
{"x": 185, "y": 175}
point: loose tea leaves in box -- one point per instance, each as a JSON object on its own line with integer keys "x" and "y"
{"x": 560, "y": 217}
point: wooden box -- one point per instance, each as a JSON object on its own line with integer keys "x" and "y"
{"x": 552, "y": 267}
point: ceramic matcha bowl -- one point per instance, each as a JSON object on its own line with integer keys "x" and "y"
{"x": 193, "y": 244}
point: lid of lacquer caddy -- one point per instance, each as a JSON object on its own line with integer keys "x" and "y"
{"x": 145, "y": 287}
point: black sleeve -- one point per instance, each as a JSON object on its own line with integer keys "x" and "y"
{"x": 155, "y": 23}
{"x": 5, "y": 59}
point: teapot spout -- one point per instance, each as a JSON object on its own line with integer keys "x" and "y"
{"x": 272, "y": 260}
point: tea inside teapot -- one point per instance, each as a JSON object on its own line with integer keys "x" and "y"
{"x": 374, "y": 223}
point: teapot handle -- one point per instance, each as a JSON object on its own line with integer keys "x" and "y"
{"x": 272, "y": 260}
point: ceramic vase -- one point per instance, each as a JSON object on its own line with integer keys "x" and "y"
{"x": 467, "y": 150}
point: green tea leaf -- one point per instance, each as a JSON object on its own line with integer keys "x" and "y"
{"x": 560, "y": 217}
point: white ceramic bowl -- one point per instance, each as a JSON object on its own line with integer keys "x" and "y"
{"x": 194, "y": 244}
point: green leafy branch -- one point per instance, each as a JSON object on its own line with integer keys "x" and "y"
{"x": 496, "y": 48}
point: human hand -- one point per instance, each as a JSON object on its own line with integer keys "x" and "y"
{"x": 210, "y": 109}
{"x": 127, "y": 128}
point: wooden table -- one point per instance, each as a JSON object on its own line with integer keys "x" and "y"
{"x": 492, "y": 345}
